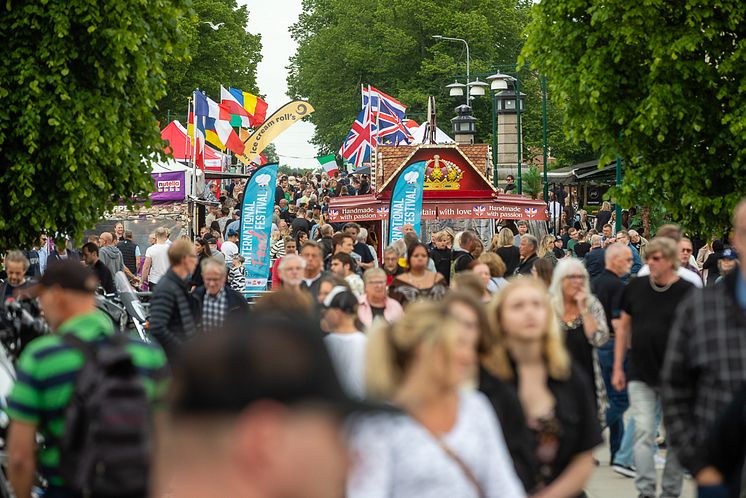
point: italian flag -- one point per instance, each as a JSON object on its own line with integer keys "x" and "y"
{"x": 328, "y": 163}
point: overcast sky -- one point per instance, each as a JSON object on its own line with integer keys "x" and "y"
{"x": 272, "y": 19}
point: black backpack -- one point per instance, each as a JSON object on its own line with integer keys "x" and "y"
{"x": 105, "y": 449}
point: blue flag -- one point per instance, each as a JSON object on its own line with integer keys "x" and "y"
{"x": 406, "y": 202}
{"x": 201, "y": 107}
{"x": 256, "y": 226}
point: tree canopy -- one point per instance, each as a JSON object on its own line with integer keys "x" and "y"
{"x": 389, "y": 45}
{"x": 78, "y": 85}
{"x": 226, "y": 56}
{"x": 659, "y": 84}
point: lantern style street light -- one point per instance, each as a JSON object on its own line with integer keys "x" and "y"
{"x": 468, "y": 67}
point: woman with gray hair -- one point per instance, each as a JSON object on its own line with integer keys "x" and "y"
{"x": 375, "y": 303}
{"x": 582, "y": 320}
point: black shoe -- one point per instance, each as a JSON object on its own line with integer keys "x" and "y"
{"x": 624, "y": 470}
{"x": 645, "y": 496}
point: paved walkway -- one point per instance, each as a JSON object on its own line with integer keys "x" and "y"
{"x": 608, "y": 484}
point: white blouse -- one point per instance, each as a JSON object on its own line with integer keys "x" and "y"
{"x": 396, "y": 457}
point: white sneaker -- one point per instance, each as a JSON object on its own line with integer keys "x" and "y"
{"x": 624, "y": 470}
{"x": 660, "y": 461}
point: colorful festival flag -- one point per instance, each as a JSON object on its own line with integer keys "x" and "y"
{"x": 253, "y": 105}
{"x": 256, "y": 226}
{"x": 406, "y": 201}
{"x": 329, "y": 163}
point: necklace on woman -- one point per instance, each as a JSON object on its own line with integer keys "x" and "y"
{"x": 658, "y": 288}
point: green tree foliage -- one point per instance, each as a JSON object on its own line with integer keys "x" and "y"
{"x": 389, "y": 45}
{"x": 78, "y": 85}
{"x": 225, "y": 56}
{"x": 659, "y": 84}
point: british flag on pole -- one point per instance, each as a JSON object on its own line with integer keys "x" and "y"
{"x": 357, "y": 146}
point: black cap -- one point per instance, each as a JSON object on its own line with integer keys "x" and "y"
{"x": 729, "y": 253}
{"x": 68, "y": 274}
{"x": 341, "y": 298}
{"x": 271, "y": 357}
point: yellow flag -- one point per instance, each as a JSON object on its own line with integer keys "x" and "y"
{"x": 281, "y": 120}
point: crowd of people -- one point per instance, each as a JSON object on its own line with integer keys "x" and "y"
{"x": 463, "y": 367}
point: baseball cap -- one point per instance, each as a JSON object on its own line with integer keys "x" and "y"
{"x": 67, "y": 274}
{"x": 270, "y": 357}
{"x": 729, "y": 253}
{"x": 231, "y": 232}
{"x": 341, "y": 298}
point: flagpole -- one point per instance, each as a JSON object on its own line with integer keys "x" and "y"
{"x": 195, "y": 228}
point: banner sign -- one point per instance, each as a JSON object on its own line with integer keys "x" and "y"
{"x": 256, "y": 226}
{"x": 281, "y": 120}
{"x": 491, "y": 210}
{"x": 406, "y": 201}
{"x": 169, "y": 186}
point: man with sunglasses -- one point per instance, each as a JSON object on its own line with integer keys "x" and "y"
{"x": 648, "y": 307}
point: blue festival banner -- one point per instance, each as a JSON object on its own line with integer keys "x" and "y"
{"x": 256, "y": 226}
{"x": 406, "y": 201}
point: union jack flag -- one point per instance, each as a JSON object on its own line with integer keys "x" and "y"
{"x": 531, "y": 212}
{"x": 382, "y": 211}
{"x": 479, "y": 210}
{"x": 333, "y": 214}
{"x": 377, "y": 98}
{"x": 389, "y": 126}
{"x": 357, "y": 146}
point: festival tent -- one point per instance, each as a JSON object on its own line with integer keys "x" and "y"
{"x": 180, "y": 147}
{"x": 420, "y": 135}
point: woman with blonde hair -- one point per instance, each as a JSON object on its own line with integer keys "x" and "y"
{"x": 542, "y": 400}
{"x": 507, "y": 250}
{"x": 583, "y": 322}
{"x": 603, "y": 216}
{"x": 446, "y": 441}
{"x": 497, "y": 270}
{"x": 546, "y": 249}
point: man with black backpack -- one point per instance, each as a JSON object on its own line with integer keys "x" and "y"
{"x": 88, "y": 391}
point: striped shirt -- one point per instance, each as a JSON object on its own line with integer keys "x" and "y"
{"x": 46, "y": 374}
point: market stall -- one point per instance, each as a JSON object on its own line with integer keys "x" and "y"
{"x": 457, "y": 192}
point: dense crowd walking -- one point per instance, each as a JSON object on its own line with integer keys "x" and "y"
{"x": 462, "y": 367}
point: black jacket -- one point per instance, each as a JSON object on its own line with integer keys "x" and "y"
{"x": 511, "y": 256}
{"x": 595, "y": 262}
{"x": 574, "y": 407}
{"x": 238, "y": 307}
{"x": 525, "y": 267}
{"x": 174, "y": 313}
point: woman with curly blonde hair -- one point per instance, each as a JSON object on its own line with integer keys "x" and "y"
{"x": 544, "y": 403}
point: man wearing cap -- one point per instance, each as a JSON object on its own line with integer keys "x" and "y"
{"x": 346, "y": 343}
{"x": 47, "y": 370}
{"x": 174, "y": 311}
{"x": 218, "y": 302}
{"x": 705, "y": 367}
{"x": 235, "y": 224}
{"x": 230, "y": 247}
{"x": 256, "y": 414}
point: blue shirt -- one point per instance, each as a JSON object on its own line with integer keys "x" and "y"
{"x": 740, "y": 290}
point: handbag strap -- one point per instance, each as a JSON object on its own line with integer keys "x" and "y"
{"x": 462, "y": 465}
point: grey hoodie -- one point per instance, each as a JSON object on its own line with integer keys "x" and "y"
{"x": 111, "y": 256}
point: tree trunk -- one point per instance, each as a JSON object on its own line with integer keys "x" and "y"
{"x": 646, "y": 222}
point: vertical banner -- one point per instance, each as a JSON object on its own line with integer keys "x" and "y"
{"x": 406, "y": 201}
{"x": 256, "y": 226}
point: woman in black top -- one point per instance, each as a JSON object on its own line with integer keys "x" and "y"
{"x": 603, "y": 216}
{"x": 203, "y": 252}
{"x": 504, "y": 245}
{"x": 544, "y": 403}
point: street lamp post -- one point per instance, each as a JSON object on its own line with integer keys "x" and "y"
{"x": 468, "y": 63}
{"x": 544, "y": 133}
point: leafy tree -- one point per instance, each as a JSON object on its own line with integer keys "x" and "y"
{"x": 78, "y": 86}
{"x": 225, "y": 56}
{"x": 659, "y": 84}
{"x": 389, "y": 45}
{"x": 271, "y": 154}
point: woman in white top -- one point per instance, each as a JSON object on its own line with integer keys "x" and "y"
{"x": 447, "y": 442}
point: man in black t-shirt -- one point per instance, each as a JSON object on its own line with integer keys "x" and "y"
{"x": 90, "y": 257}
{"x": 608, "y": 288}
{"x": 360, "y": 248}
{"x": 648, "y": 307}
{"x": 300, "y": 223}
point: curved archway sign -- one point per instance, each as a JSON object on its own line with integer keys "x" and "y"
{"x": 281, "y": 120}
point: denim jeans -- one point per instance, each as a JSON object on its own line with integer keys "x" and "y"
{"x": 618, "y": 400}
{"x": 643, "y": 400}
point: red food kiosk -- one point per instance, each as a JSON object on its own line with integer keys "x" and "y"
{"x": 457, "y": 193}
